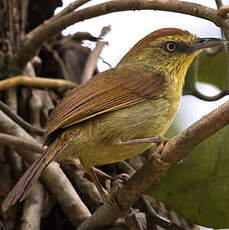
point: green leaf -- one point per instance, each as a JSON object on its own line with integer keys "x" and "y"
{"x": 213, "y": 69}
{"x": 198, "y": 188}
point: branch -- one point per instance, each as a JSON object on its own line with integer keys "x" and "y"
{"x": 34, "y": 39}
{"x": 172, "y": 153}
{"x": 62, "y": 189}
{"x": 10, "y": 127}
{"x": 32, "y": 210}
{"x": 201, "y": 96}
{"x": 59, "y": 61}
{"x": 53, "y": 176}
{"x": 223, "y": 10}
{"x": 90, "y": 65}
{"x": 20, "y": 121}
{"x": 156, "y": 219}
{"x": 219, "y": 3}
{"x": 37, "y": 82}
{"x": 20, "y": 143}
{"x": 71, "y": 7}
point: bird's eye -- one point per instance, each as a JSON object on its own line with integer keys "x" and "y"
{"x": 171, "y": 46}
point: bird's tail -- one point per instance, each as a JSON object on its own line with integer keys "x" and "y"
{"x": 31, "y": 175}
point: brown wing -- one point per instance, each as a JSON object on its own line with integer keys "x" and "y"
{"x": 103, "y": 94}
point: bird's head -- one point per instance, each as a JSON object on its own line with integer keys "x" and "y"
{"x": 169, "y": 51}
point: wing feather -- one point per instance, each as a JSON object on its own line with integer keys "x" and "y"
{"x": 103, "y": 94}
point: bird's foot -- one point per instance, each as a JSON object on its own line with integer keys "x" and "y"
{"x": 116, "y": 183}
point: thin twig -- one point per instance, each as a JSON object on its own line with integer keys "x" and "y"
{"x": 24, "y": 10}
{"x": 11, "y": 24}
{"x": 201, "y": 96}
{"x": 223, "y": 12}
{"x": 219, "y": 3}
{"x": 20, "y": 121}
{"x": 12, "y": 157}
{"x": 105, "y": 62}
{"x": 80, "y": 36}
{"x": 59, "y": 61}
{"x": 90, "y": 65}
{"x": 70, "y": 8}
{"x": 156, "y": 219}
{"x": 37, "y": 82}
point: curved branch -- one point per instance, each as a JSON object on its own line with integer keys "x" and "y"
{"x": 71, "y": 7}
{"x": 34, "y": 39}
{"x": 201, "y": 96}
{"x": 172, "y": 153}
{"x": 37, "y": 82}
{"x": 222, "y": 10}
{"x": 20, "y": 121}
{"x": 156, "y": 219}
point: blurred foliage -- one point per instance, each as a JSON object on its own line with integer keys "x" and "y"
{"x": 211, "y": 69}
{"x": 198, "y": 187}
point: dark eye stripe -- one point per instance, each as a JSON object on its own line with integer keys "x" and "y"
{"x": 181, "y": 47}
{"x": 184, "y": 48}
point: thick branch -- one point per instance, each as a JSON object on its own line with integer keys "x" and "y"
{"x": 20, "y": 143}
{"x": 32, "y": 210}
{"x": 20, "y": 121}
{"x": 62, "y": 189}
{"x": 37, "y": 82}
{"x": 174, "y": 151}
{"x": 34, "y": 39}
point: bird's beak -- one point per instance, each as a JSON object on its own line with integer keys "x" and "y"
{"x": 202, "y": 43}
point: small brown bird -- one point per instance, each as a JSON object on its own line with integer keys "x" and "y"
{"x": 97, "y": 121}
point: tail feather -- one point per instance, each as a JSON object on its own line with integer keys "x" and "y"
{"x": 22, "y": 187}
{"x": 31, "y": 175}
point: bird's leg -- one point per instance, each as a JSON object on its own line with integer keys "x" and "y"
{"x": 157, "y": 140}
{"x": 106, "y": 196}
{"x": 95, "y": 179}
{"x": 101, "y": 174}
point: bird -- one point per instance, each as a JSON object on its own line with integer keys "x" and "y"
{"x": 113, "y": 116}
